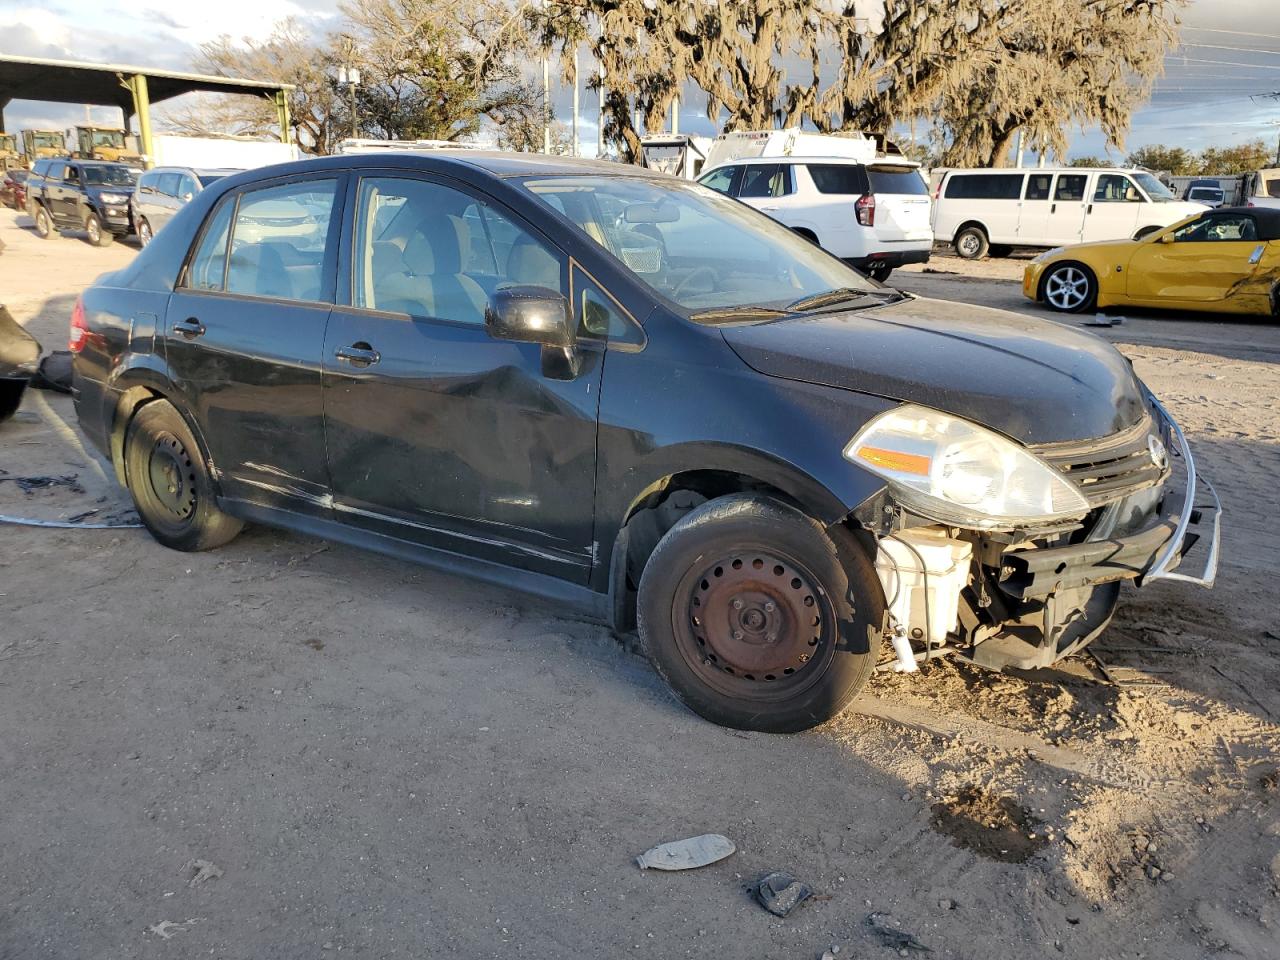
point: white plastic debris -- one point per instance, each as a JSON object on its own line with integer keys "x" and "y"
{"x": 687, "y": 854}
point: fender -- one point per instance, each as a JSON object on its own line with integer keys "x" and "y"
{"x": 140, "y": 379}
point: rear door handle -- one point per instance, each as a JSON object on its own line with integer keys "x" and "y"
{"x": 359, "y": 354}
{"x": 189, "y": 328}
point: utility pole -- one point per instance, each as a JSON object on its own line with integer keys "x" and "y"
{"x": 675, "y": 116}
{"x": 546, "y": 104}
{"x": 575, "y": 100}
{"x": 600, "y": 130}
{"x": 1021, "y": 143}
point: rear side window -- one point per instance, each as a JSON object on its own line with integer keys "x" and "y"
{"x": 890, "y": 178}
{"x": 764, "y": 180}
{"x": 1070, "y": 186}
{"x": 278, "y": 241}
{"x": 1039, "y": 186}
{"x": 842, "y": 178}
{"x": 147, "y": 182}
{"x": 209, "y": 265}
{"x": 995, "y": 186}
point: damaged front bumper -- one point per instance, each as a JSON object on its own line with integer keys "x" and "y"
{"x": 1030, "y": 601}
{"x": 19, "y": 361}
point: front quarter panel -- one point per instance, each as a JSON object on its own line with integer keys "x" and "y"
{"x": 688, "y": 403}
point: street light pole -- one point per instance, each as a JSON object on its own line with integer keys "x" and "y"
{"x": 351, "y": 77}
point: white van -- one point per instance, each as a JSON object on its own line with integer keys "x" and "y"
{"x": 874, "y": 215}
{"x": 981, "y": 211}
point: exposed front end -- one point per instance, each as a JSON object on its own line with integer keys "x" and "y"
{"x": 1028, "y": 593}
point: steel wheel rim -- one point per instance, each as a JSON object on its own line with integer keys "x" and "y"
{"x": 969, "y": 245}
{"x": 754, "y": 625}
{"x": 171, "y": 479}
{"x": 1067, "y": 288}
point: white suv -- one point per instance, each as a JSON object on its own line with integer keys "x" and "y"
{"x": 873, "y": 215}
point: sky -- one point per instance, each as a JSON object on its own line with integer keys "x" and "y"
{"x": 1203, "y": 99}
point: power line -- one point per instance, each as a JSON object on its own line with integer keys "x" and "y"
{"x": 1235, "y": 33}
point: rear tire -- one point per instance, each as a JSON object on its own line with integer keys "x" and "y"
{"x": 971, "y": 243}
{"x": 168, "y": 478}
{"x": 756, "y": 618}
{"x": 880, "y": 274}
{"x": 44, "y": 227}
{"x": 1069, "y": 287}
{"x": 144, "y": 233}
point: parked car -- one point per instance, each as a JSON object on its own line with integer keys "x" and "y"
{"x": 645, "y": 401}
{"x": 992, "y": 211}
{"x": 13, "y": 188}
{"x": 89, "y": 195}
{"x": 873, "y": 215}
{"x": 1225, "y": 260}
{"x": 1209, "y": 196}
{"x": 163, "y": 191}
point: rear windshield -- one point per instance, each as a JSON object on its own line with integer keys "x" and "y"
{"x": 894, "y": 179}
{"x": 848, "y": 178}
{"x": 984, "y": 186}
{"x": 208, "y": 178}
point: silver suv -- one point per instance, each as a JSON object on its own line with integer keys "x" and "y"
{"x": 163, "y": 191}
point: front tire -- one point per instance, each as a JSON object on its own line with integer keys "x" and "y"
{"x": 170, "y": 484}
{"x": 44, "y": 228}
{"x": 144, "y": 233}
{"x": 99, "y": 236}
{"x": 1069, "y": 288}
{"x": 756, "y": 618}
{"x": 971, "y": 243}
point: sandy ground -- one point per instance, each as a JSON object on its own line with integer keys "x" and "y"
{"x": 288, "y": 749}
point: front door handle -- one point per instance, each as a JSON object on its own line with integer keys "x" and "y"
{"x": 1053, "y": 208}
{"x": 359, "y": 354}
{"x": 189, "y": 328}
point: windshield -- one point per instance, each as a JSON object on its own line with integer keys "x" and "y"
{"x": 114, "y": 175}
{"x": 1212, "y": 193}
{"x": 697, "y": 248}
{"x": 47, "y": 140}
{"x": 108, "y": 138}
{"x": 1156, "y": 190}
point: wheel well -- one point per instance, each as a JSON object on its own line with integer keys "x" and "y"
{"x": 1063, "y": 263}
{"x": 806, "y": 233}
{"x": 1145, "y": 232}
{"x": 656, "y": 511}
{"x": 130, "y": 402}
{"x": 966, "y": 225}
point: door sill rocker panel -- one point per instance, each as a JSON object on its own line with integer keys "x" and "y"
{"x": 582, "y": 600}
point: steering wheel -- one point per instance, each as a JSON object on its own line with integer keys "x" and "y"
{"x": 689, "y": 279}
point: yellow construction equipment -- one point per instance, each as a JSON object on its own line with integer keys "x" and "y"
{"x": 106, "y": 143}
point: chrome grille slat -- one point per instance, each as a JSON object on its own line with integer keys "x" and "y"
{"x": 1109, "y": 468}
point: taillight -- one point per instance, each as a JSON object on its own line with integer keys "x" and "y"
{"x": 864, "y": 208}
{"x": 79, "y": 329}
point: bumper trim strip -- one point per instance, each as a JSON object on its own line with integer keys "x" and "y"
{"x": 1160, "y": 570}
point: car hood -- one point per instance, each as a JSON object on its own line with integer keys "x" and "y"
{"x": 1035, "y": 381}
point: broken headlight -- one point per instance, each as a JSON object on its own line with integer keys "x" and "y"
{"x": 956, "y": 472}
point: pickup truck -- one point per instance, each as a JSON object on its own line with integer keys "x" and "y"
{"x": 88, "y": 195}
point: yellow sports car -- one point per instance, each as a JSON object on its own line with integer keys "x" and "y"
{"x": 1225, "y": 260}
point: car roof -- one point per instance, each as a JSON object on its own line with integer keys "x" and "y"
{"x": 846, "y": 161}
{"x": 496, "y": 163}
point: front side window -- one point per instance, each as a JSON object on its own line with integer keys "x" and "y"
{"x": 167, "y": 184}
{"x": 1217, "y": 229}
{"x": 428, "y": 250}
{"x": 720, "y": 180}
{"x": 1156, "y": 190}
{"x": 1114, "y": 188}
{"x": 694, "y": 247}
{"x": 278, "y": 240}
{"x": 1070, "y": 186}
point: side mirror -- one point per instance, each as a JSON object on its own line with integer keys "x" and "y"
{"x": 186, "y": 197}
{"x": 1166, "y": 238}
{"x": 530, "y": 315}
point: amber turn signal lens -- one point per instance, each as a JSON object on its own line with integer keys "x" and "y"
{"x": 895, "y": 460}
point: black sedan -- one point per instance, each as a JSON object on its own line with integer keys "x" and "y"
{"x": 644, "y": 400}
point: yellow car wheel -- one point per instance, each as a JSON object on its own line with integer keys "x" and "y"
{"x": 1069, "y": 287}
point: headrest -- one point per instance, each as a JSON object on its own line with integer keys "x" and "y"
{"x": 530, "y": 263}
{"x": 437, "y": 246}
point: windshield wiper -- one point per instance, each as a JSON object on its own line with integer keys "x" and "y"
{"x": 838, "y": 295}
{"x": 747, "y": 312}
